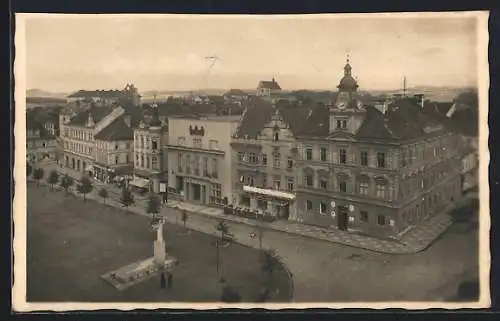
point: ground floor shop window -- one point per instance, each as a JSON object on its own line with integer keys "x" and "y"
{"x": 245, "y": 200}
{"x": 381, "y": 220}
{"x": 216, "y": 195}
{"x": 262, "y": 205}
{"x": 309, "y": 205}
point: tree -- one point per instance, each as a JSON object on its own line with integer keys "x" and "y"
{"x": 103, "y": 192}
{"x": 53, "y": 179}
{"x": 85, "y": 186}
{"x": 29, "y": 169}
{"x": 66, "y": 182}
{"x": 126, "y": 199}
{"x": 269, "y": 262}
{"x": 38, "y": 175}
{"x": 184, "y": 217}
{"x": 223, "y": 228}
{"x": 154, "y": 204}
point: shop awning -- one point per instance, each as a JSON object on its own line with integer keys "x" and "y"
{"x": 139, "y": 182}
{"x": 269, "y": 192}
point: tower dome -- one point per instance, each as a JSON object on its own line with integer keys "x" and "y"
{"x": 347, "y": 83}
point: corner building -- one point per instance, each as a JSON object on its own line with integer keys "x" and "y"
{"x": 378, "y": 170}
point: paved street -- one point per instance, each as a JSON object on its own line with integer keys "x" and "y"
{"x": 325, "y": 271}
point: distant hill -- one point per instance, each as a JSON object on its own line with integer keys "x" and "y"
{"x": 45, "y": 100}
{"x": 39, "y": 93}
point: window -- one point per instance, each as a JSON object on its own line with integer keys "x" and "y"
{"x": 147, "y": 162}
{"x": 142, "y": 141}
{"x": 253, "y": 158}
{"x": 180, "y": 158}
{"x": 323, "y": 208}
{"x": 264, "y": 180}
{"x": 323, "y": 154}
{"x": 196, "y": 165}
{"x": 127, "y": 159}
{"x": 116, "y": 146}
{"x": 250, "y": 181}
{"x": 364, "y": 216}
{"x": 277, "y": 182}
{"x": 341, "y": 124}
{"x": 309, "y": 179}
{"x": 197, "y": 142}
{"x": 215, "y": 172}
{"x": 381, "y": 220}
{"x": 205, "y": 166}
{"x": 154, "y": 144}
{"x": 276, "y": 160}
{"x": 363, "y": 187}
{"x": 188, "y": 164}
{"x": 364, "y": 158}
{"x": 213, "y": 144}
{"x": 264, "y": 159}
{"x": 136, "y": 160}
{"x": 241, "y": 156}
{"x": 116, "y": 159}
{"x": 309, "y": 205}
{"x": 289, "y": 163}
{"x": 290, "y": 185}
{"x": 323, "y": 182}
{"x": 309, "y": 154}
{"x": 381, "y": 160}
{"x": 276, "y": 136}
{"x": 154, "y": 162}
{"x": 342, "y": 156}
{"x": 181, "y": 141}
{"x": 380, "y": 188}
{"x": 142, "y": 161}
{"x": 403, "y": 158}
{"x": 343, "y": 186}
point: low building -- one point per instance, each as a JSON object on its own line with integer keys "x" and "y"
{"x": 199, "y": 154}
{"x": 264, "y": 152}
{"x": 41, "y": 145}
{"x": 268, "y": 88}
{"x": 374, "y": 171}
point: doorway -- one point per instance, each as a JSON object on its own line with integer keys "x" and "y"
{"x": 343, "y": 218}
{"x": 196, "y": 192}
{"x": 179, "y": 184}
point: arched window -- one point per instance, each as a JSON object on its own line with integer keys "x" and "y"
{"x": 342, "y": 179}
{"x": 308, "y": 177}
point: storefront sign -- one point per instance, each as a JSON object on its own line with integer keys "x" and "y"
{"x": 163, "y": 188}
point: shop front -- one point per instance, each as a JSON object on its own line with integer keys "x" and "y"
{"x": 271, "y": 202}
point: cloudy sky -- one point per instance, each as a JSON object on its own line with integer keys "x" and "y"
{"x": 71, "y": 52}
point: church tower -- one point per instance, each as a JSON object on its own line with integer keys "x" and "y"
{"x": 346, "y": 111}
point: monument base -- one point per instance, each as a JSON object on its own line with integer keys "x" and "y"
{"x": 159, "y": 251}
{"x": 137, "y": 272}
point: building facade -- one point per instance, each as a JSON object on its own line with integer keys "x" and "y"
{"x": 377, "y": 170}
{"x": 150, "y": 154}
{"x": 77, "y": 133}
{"x": 41, "y": 145}
{"x": 199, "y": 154}
{"x": 107, "y": 97}
{"x": 268, "y": 88}
{"x": 264, "y": 153}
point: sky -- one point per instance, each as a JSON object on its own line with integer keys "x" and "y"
{"x": 65, "y": 53}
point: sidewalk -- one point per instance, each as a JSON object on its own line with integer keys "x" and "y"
{"x": 415, "y": 240}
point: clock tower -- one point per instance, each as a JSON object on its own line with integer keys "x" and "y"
{"x": 346, "y": 110}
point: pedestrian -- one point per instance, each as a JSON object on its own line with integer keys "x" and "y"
{"x": 170, "y": 281}
{"x": 162, "y": 280}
